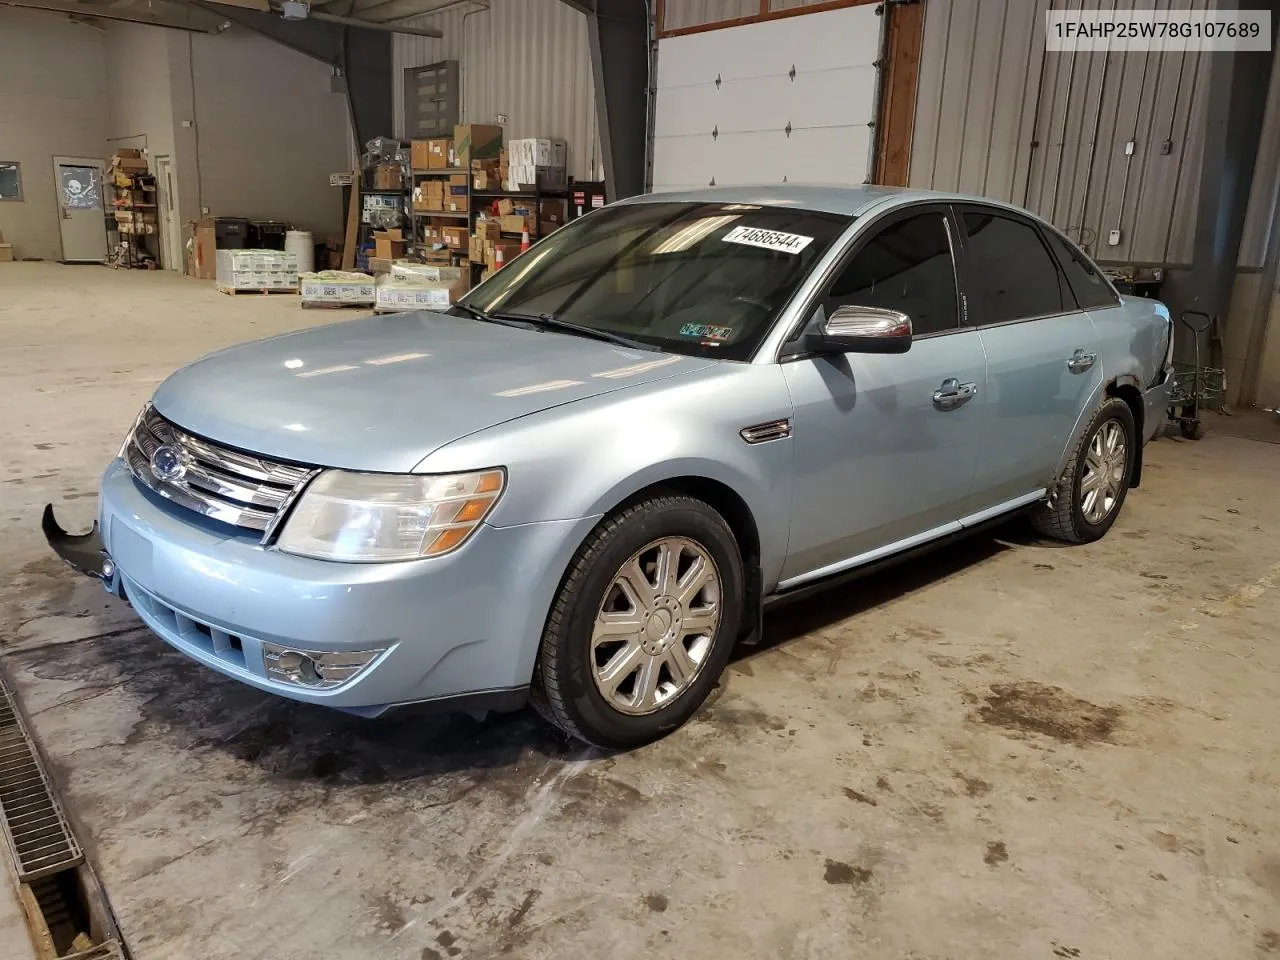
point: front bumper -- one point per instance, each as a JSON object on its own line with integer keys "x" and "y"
{"x": 461, "y": 628}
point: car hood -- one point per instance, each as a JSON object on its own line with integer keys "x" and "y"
{"x": 382, "y": 393}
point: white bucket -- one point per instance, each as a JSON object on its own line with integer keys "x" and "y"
{"x": 300, "y": 244}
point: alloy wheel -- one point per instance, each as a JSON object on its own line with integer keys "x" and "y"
{"x": 1105, "y": 463}
{"x": 656, "y": 625}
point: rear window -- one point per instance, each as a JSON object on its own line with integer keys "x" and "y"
{"x": 1091, "y": 289}
{"x": 707, "y": 279}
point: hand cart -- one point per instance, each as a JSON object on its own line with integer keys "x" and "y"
{"x": 1195, "y": 385}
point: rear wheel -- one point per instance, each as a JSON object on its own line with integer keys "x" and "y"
{"x": 1094, "y": 485}
{"x": 643, "y": 624}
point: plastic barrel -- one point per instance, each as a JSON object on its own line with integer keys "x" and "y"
{"x": 299, "y": 243}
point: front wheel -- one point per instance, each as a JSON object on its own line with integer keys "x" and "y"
{"x": 1093, "y": 486}
{"x": 643, "y": 623}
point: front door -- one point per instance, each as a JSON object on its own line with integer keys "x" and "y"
{"x": 1043, "y": 364}
{"x": 885, "y": 444}
{"x": 81, "y": 211}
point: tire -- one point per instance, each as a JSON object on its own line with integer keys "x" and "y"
{"x": 571, "y": 687}
{"x": 1069, "y": 515}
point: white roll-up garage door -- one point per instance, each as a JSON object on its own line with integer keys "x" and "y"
{"x": 781, "y": 100}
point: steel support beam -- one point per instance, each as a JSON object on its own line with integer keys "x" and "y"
{"x": 363, "y": 56}
{"x": 618, "y": 34}
{"x": 1235, "y": 102}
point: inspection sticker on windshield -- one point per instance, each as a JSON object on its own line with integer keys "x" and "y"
{"x": 706, "y": 331}
{"x": 768, "y": 239}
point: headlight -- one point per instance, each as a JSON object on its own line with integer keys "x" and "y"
{"x": 380, "y": 516}
{"x": 133, "y": 428}
{"x": 1168, "y": 353}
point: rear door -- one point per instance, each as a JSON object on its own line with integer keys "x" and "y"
{"x": 885, "y": 443}
{"x": 1043, "y": 361}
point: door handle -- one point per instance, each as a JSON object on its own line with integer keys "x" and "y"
{"x": 1081, "y": 361}
{"x": 953, "y": 394}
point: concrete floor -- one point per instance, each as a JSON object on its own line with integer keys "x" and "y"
{"x": 1009, "y": 749}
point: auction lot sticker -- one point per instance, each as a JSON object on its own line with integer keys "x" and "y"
{"x": 791, "y": 243}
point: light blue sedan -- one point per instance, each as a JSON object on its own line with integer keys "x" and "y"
{"x": 582, "y": 484}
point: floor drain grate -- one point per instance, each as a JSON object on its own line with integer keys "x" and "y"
{"x": 34, "y": 825}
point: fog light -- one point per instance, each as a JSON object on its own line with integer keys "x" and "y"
{"x": 314, "y": 668}
{"x": 108, "y": 569}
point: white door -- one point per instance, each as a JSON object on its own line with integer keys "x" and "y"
{"x": 81, "y": 211}
{"x": 170, "y": 228}
{"x": 781, "y": 100}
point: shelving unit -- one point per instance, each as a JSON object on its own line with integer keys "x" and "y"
{"x": 134, "y": 206}
{"x": 474, "y": 200}
{"x": 417, "y": 246}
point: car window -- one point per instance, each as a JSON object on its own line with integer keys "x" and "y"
{"x": 1089, "y": 286}
{"x": 906, "y": 266}
{"x": 1015, "y": 275}
{"x": 707, "y": 278}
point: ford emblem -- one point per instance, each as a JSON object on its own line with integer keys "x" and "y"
{"x": 167, "y": 465}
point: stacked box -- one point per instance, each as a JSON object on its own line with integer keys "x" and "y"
{"x": 337, "y": 286}
{"x": 538, "y": 162}
{"x": 415, "y": 291}
{"x": 256, "y": 270}
{"x": 475, "y": 141}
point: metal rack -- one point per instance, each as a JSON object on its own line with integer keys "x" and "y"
{"x": 416, "y": 216}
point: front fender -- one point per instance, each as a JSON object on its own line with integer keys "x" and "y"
{"x": 584, "y": 458}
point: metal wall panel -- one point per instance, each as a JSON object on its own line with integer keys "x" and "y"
{"x": 997, "y": 116}
{"x": 975, "y": 105}
{"x": 678, "y": 14}
{"x": 1253, "y": 244}
{"x": 526, "y": 59}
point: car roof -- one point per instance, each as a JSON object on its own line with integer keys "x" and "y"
{"x": 849, "y": 201}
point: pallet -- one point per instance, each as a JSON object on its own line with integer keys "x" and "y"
{"x": 262, "y": 291}
{"x": 334, "y": 305}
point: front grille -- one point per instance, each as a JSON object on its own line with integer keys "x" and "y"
{"x": 241, "y": 489}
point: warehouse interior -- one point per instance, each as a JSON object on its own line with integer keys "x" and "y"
{"x": 1001, "y": 749}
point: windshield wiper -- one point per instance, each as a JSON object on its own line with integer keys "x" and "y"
{"x": 486, "y": 317}
{"x": 549, "y": 321}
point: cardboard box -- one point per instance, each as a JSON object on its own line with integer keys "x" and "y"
{"x": 379, "y": 266}
{"x": 6, "y": 252}
{"x": 256, "y": 270}
{"x": 201, "y": 249}
{"x": 475, "y": 249}
{"x": 131, "y": 153}
{"x": 528, "y": 177}
{"x": 538, "y": 152}
{"x": 476, "y": 141}
{"x": 389, "y": 244}
{"x": 455, "y": 237}
{"x": 509, "y": 249}
{"x": 336, "y": 286}
{"x": 129, "y": 164}
{"x": 388, "y": 176}
{"x": 547, "y": 227}
{"x": 417, "y": 291}
{"x": 553, "y": 210}
{"x": 488, "y": 229}
{"x": 427, "y": 273}
{"x": 420, "y": 154}
{"x": 518, "y": 223}
{"x": 439, "y": 151}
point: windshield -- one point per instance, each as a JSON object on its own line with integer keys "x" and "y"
{"x": 706, "y": 279}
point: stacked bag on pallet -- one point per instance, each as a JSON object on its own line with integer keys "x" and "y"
{"x": 421, "y": 286}
{"x": 337, "y": 287}
{"x": 256, "y": 270}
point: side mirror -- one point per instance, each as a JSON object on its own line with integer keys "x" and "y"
{"x": 863, "y": 330}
